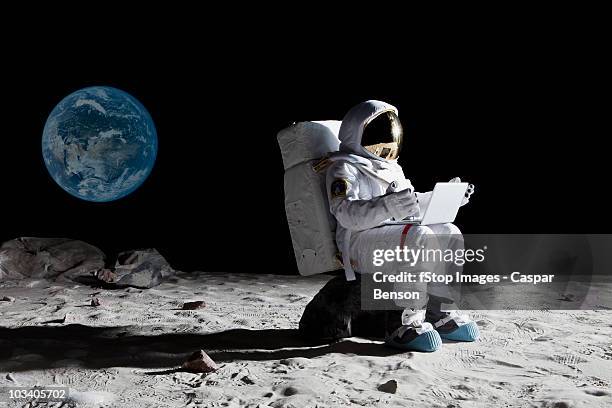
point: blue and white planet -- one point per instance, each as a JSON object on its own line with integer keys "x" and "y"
{"x": 99, "y": 144}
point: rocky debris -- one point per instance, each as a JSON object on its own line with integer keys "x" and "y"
{"x": 95, "y": 302}
{"x": 247, "y": 380}
{"x": 198, "y": 304}
{"x": 388, "y": 387}
{"x": 200, "y": 362}
{"x": 329, "y": 313}
{"x": 138, "y": 268}
{"x": 63, "y": 258}
{"x": 133, "y": 290}
{"x": 7, "y": 299}
{"x": 335, "y": 312}
{"x": 289, "y": 391}
{"x": 60, "y": 320}
{"x": 49, "y": 258}
{"x": 11, "y": 378}
{"x": 105, "y": 275}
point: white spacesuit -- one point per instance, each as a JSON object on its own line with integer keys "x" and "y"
{"x": 366, "y": 187}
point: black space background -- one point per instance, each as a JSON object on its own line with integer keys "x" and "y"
{"x": 521, "y": 122}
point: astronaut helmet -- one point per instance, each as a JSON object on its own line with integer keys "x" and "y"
{"x": 382, "y": 135}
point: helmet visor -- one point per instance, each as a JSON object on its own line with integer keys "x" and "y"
{"x": 383, "y": 136}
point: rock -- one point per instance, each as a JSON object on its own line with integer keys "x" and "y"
{"x": 10, "y": 377}
{"x": 7, "y": 299}
{"x": 289, "y": 391}
{"x": 388, "y": 387}
{"x": 49, "y": 258}
{"x": 106, "y": 275}
{"x": 329, "y": 313}
{"x": 200, "y": 362}
{"x": 335, "y": 312}
{"x": 95, "y": 302}
{"x": 198, "y": 304}
{"x": 543, "y": 338}
{"x": 55, "y": 258}
{"x": 247, "y": 380}
{"x": 141, "y": 269}
{"x": 60, "y": 320}
{"x": 133, "y": 290}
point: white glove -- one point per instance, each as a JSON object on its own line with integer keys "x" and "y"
{"x": 468, "y": 193}
{"x": 402, "y": 204}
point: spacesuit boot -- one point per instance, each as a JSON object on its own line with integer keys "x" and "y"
{"x": 451, "y": 324}
{"x": 442, "y": 312}
{"x": 414, "y": 334}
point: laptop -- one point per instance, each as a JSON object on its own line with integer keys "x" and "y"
{"x": 443, "y": 205}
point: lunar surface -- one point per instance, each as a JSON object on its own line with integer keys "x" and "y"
{"x": 99, "y": 144}
{"x": 126, "y": 349}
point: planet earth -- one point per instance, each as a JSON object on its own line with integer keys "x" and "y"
{"x": 99, "y": 144}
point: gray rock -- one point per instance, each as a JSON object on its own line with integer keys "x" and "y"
{"x": 68, "y": 259}
{"x": 60, "y": 320}
{"x": 200, "y": 362}
{"x": 49, "y": 258}
{"x": 247, "y": 380}
{"x": 7, "y": 299}
{"x": 335, "y": 312}
{"x": 388, "y": 387}
{"x": 198, "y": 304}
{"x": 141, "y": 268}
{"x": 105, "y": 275}
{"x": 289, "y": 391}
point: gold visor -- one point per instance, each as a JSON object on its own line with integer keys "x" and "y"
{"x": 388, "y": 151}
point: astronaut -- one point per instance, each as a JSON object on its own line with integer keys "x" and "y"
{"x": 366, "y": 187}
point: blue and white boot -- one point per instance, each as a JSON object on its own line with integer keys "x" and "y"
{"x": 452, "y": 325}
{"x": 414, "y": 334}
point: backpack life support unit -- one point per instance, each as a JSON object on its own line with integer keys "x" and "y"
{"x": 304, "y": 146}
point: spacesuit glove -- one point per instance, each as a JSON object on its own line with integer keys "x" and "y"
{"x": 402, "y": 204}
{"x": 468, "y": 193}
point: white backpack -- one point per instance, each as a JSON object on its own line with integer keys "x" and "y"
{"x": 304, "y": 146}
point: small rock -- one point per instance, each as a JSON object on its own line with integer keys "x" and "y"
{"x": 543, "y": 338}
{"x": 198, "y": 304}
{"x": 133, "y": 290}
{"x": 289, "y": 391}
{"x": 106, "y": 275}
{"x": 60, "y": 320}
{"x": 388, "y": 387}
{"x": 200, "y": 362}
{"x": 566, "y": 297}
{"x": 141, "y": 268}
{"x": 10, "y": 377}
{"x": 95, "y": 302}
{"x": 7, "y": 299}
{"x": 247, "y": 380}
{"x": 597, "y": 392}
